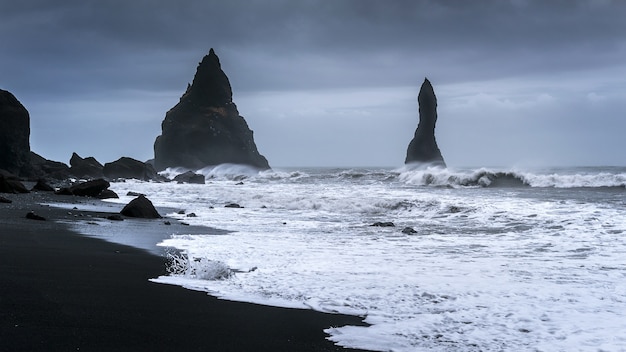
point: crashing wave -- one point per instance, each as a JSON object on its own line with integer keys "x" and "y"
{"x": 441, "y": 177}
{"x": 179, "y": 264}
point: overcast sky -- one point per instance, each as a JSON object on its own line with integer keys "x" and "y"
{"x": 328, "y": 82}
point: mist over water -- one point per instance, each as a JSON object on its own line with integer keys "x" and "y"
{"x": 497, "y": 259}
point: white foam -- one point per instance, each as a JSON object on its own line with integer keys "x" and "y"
{"x": 488, "y": 269}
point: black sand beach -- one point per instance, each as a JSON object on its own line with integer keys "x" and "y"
{"x": 62, "y": 291}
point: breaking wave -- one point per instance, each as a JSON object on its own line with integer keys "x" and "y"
{"x": 441, "y": 177}
{"x": 432, "y": 176}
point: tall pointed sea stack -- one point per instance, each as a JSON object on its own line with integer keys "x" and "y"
{"x": 423, "y": 148}
{"x": 205, "y": 128}
{"x": 14, "y": 134}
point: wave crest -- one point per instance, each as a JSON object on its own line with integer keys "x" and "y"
{"x": 440, "y": 177}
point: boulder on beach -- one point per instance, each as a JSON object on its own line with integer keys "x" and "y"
{"x": 205, "y": 127}
{"x": 423, "y": 147}
{"x": 42, "y": 185}
{"x": 126, "y": 167}
{"x": 92, "y": 188}
{"x": 107, "y": 194}
{"x": 140, "y": 207}
{"x": 14, "y": 135}
{"x": 10, "y": 183}
{"x": 85, "y": 167}
{"x": 32, "y": 216}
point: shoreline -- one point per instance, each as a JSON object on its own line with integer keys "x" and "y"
{"x": 62, "y": 290}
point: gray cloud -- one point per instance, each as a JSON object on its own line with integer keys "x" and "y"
{"x": 81, "y": 64}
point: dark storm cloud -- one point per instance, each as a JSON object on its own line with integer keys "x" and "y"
{"x": 138, "y": 43}
{"x": 128, "y": 60}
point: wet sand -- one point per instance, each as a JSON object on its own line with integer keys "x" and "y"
{"x": 63, "y": 291}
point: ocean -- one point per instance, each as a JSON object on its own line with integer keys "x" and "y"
{"x": 477, "y": 259}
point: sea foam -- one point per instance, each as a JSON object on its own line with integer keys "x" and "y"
{"x": 520, "y": 266}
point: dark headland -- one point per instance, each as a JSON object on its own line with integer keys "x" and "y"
{"x": 423, "y": 147}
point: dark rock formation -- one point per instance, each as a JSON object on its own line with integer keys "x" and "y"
{"x": 205, "y": 127}
{"x": 409, "y": 231}
{"x": 115, "y": 217}
{"x": 125, "y": 167}
{"x": 43, "y": 167}
{"x": 14, "y": 135}
{"x": 5, "y": 200}
{"x": 107, "y": 194}
{"x": 42, "y": 185}
{"x": 85, "y": 168}
{"x": 383, "y": 224}
{"x": 190, "y": 177}
{"x": 134, "y": 194}
{"x": 32, "y": 216}
{"x": 91, "y": 188}
{"x": 423, "y": 148}
{"x": 140, "y": 207}
{"x": 233, "y": 205}
{"x": 9, "y": 183}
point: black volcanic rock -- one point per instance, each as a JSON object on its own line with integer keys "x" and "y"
{"x": 43, "y": 186}
{"x": 140, "y": 207}
{"x": 91, "y": 188}
{"x": 125, "y": 167}
{"x": 43, "y": 167}
{"x": 205, "y": 127}
{"x": 9, "y": 183}
{"x": 107, "y": 194}
{"x": 190, "y": 177}
{"x": 86, "y": 168}
{"x": 423, "y": 148}
{"x": 14, "y": 135}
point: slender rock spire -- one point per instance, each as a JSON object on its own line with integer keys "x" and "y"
{"x": 423, "y": 148}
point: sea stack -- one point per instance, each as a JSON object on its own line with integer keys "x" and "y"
{"x": 423, "y": 148}
{"x": 14, "y": 135}
{"x": 205, "y": 127}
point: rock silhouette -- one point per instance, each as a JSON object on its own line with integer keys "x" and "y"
{"x": 140, "y": 207}
{"x": 14, "y": 135}
{"x": 126, "y": 167}
{"x": 85, "y": 167}
{"x": 423, "y": 147}
{"x": 205, "y": 127}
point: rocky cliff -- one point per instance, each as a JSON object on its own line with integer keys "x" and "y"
{"x": 423, "y": 148}
{"x": 205, "y": 127}
{"x": 14, "y": 135}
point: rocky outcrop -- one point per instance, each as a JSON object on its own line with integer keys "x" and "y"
{"x": 85, "y": 168}
{"x": 14, "y": 135}
{"x": 107, "y": 194}
{"x": 42, "y": 186}
{"x": 92, "y": 188}
{"x": 125, "y": 167}
{"x": 9, "y": 183}
{"x": 423, "y": 148}
{"x": 140, "y": 207}
{"x": 43, "y": 167}
{"x": 205, "y": 127}
{"x": 190, "y": 177}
